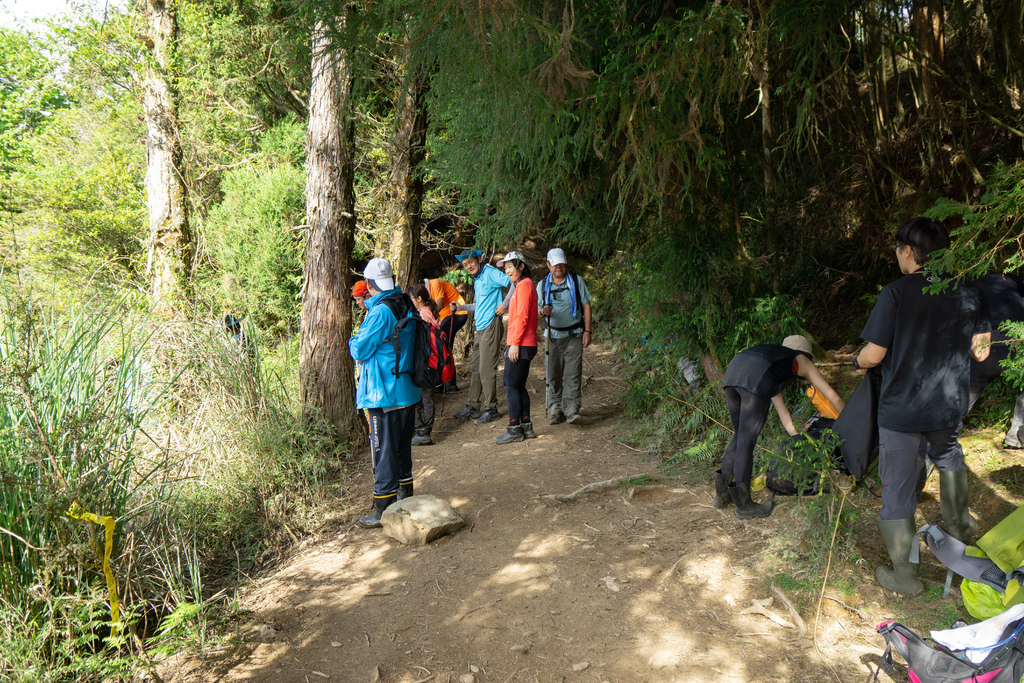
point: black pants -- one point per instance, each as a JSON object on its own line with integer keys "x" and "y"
{"x": 451, "y": 326}
{"x": 425, "y": 411}
{"x": 514, "y": 379}
{"x": 748, "y": 413}
{"x": 391, "y": 448}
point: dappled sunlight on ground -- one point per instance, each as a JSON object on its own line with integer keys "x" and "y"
{"x": 626, "y": 585}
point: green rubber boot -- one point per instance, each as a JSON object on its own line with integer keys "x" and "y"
{"x": 900, "y": 536}
{"x": 953, "y": 503}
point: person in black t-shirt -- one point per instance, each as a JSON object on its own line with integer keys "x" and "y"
{"x": 755, "y": 377}
{"x": 1004, "y": 295}
{"x": 923, "y": 343}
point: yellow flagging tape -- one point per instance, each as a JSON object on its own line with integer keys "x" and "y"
{"x": 77, "y": 512}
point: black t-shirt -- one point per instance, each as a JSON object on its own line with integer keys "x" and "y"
{"x": 928, "y": 341}
{"x": 1004, "y": 295}
{"x": 763, "y": 370}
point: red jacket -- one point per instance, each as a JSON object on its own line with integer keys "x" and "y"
{"x": 522, "y": 315}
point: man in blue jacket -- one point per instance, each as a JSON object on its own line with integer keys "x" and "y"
{"x": 389, "y": 400}
{"x": 488, "y": 283}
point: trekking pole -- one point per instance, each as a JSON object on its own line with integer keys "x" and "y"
{"x": 547, "y": 361}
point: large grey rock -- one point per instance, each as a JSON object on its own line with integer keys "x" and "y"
{"x": 420, "y": 519}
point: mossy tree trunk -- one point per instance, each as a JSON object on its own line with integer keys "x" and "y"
{"x": 405, "y": 207}
{"x": 327, "y": 372}
{"x": 171, "y": 246}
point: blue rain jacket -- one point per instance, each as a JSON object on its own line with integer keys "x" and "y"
{"x": 378, "y": 387}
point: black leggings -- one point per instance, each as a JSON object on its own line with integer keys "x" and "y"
{"x": 748, "y": 413}
{"x": 514, "y": 379}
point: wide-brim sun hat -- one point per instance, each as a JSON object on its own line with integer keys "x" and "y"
{"x": 475, "y": 253}
{"x": 800, "y": 343}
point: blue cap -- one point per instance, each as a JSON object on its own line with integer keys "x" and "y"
{"x": 476, "y": 253}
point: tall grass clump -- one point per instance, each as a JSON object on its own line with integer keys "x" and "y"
{"x": 181, "y": 434}
{"x": 75, "y": 395}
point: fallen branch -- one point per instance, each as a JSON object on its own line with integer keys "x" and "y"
{"x": 761, "y": 607}
{"x": 800, "y": 625}
{"x": 604, "y": 486}
{"x": 672, "y": 569}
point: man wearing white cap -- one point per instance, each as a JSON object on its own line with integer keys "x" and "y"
{"x": 390, "y": 401}
{"x": 564, "y": 302}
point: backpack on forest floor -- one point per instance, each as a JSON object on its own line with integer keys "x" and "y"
{"x": 927, "y": 663}
{"x": 431, "y": 359}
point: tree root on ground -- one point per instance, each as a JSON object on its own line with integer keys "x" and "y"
{"x": 604, "y": 486}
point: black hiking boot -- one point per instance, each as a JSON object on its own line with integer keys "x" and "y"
{"x": 379, "y": 506}
{"x": 489, "y": 415}
{"x": 528, "y": 430}
{"x": 514, "y": 434}
{"x": 900, "y": 536}
{"x": 405, "y": 491}
{"x": 746, "y": 508}
{"x": 422, "y": 438}
{"x": 468, "y": 413}
{"x": 722, "y": 497}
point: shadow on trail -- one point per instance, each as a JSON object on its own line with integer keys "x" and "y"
{"x": 620, "y": 586}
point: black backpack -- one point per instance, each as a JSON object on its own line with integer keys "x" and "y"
{"x": 423, "y": 375}
{"x": 935, "y": 664}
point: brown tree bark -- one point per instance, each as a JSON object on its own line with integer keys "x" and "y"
{"x": 171, "y": 247}
{"x": 405, "y": 203}
{"x": 327, "y": 372}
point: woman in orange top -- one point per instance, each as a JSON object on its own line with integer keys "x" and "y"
{"x": 521, "y": 347}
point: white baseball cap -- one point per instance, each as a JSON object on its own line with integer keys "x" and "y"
{"x": 511, "y": 256}
{"x": 378, "y": 274}
{"x": 556, "y": 256}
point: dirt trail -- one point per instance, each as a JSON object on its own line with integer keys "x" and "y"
{"x": 624, "y": 585}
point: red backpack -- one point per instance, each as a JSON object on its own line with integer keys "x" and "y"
{"x": 441, "y": 360}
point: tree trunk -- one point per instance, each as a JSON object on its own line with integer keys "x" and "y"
{"x": 327, "y": 373}
{"x": 171, "y": 248}
{"x": 406, "y": 192}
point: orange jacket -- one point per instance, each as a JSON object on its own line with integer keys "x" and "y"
{"x": 522, "y": 315}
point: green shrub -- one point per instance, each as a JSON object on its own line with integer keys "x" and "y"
{"x": 255, "y": 234}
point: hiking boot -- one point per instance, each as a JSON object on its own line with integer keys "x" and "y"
{"x": 489, "y": 415}
{"x": 1015, "y": 434}
{"x": 422, "y": 438}
{"x": 556, "y": 418}
{"x": 405, "y": 491}
{"x": 514, "y": 433}
{"x": 528, "y": 430}
{"x": 745, "y": 507}
{"x": 722, "y": 497}
{"x": 900, "y": 536}
{"x": 953, "y": 504}
{"x": 468, "y": 413}
{"x": 572, "y": 418}
{"x": 380, "y": 504}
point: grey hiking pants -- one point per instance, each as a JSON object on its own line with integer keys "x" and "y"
{"x": 898, "y": 465}
{"x": 1015, "y": 434}
{"x": 564, "y": 370}
{"x": 487, "y": 349}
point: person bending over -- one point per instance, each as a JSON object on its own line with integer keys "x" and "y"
{"x": 754, "y": 380}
